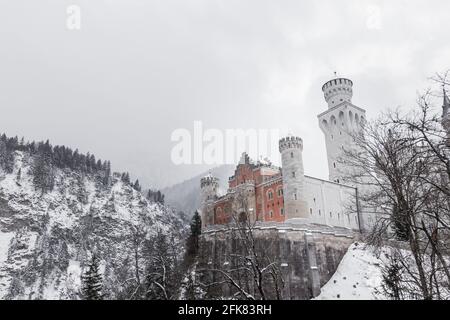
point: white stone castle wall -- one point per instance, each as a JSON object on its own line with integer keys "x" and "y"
{"x": 324, "y": 197}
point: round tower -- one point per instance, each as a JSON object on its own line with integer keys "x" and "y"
{"x": 293, "y": 178}
{"x": 337, "y": 91}
{"x": 339, "y": 123}
{"x": 209, "y": 187}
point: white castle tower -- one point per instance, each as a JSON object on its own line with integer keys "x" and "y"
{"x": 209, "y": 187}
{"x": 338, "y": 122}
{"x": 293, "y": 178}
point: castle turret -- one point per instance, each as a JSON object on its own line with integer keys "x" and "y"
{"x": 338, "y": 123}
{"x": 337, "y": 91}
{"x": 293, "y": 178}
{"x": 209, "y": 187}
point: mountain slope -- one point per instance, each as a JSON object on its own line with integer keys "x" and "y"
{"x": 46, "y": 238}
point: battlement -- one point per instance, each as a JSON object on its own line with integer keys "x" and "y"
{"x": 290, "y": 143}
{"x": 337, "y": 91}
{"x": 208, "y": 180}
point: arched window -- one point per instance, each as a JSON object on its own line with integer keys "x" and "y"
{"x": 271, "y": 214}
{"x": 270, "y": 194}
{"x": 341, "y": 118}
{"x": 280, "y": 192}
{"x": 295, "y": 196}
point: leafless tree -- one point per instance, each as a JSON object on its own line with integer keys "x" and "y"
{"x": 152, "y": 267}
{"x": 403, "y": 161}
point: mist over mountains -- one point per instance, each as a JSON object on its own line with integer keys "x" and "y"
{"x": 185, "y": 196}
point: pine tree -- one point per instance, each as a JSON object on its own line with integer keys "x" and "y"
{"x": 92, "y": 282}
{"x": 126, "y": 178}
{"x": 107, "y": 173}
{"x": 196, "y": 225}
{"x": 6, "y": 156}
{"x": 136, "y": 185}
{"x": 155, "y": 196}
{"x": 192, "y": 242}
{"x": 43, "y": 171}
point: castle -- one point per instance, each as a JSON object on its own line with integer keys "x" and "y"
{"x": 286, "y": 194}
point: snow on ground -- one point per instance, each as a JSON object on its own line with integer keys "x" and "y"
{"x": 357, "y": 277}
{"x": 5, "y": 239}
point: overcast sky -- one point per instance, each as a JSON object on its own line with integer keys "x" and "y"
{"x": 139, "y": 69}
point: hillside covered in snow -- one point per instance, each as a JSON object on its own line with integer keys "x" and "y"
{"x": 358, "y": 277}
{"x": 55, "y": 213}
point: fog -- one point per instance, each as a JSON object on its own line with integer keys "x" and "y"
{"x": 136, "y": 71}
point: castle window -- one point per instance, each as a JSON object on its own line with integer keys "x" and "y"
{"x": 292, "y": 154}
{"x": 270, "y": 194}
{"x": 331, "y": 215}
{"x": 271, "y": 214}
{"x": 295, "y": 196}
{"x": 339, "y": 216}
{"x": 293, "y": 174}
{"x": 320, "y": 213}
{"x": 334, "y": 164}
{"x": 314, "y": 200}
{"x": 280, "y": 192}
{"x": 310, "y": 211}
{"x": 282, "y": 211}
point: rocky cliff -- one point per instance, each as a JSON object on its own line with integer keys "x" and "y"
{"x": 46, "y": 238}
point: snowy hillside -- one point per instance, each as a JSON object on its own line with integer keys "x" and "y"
{"x": 357, "y": 278}
{"x": 46, "y": 238}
